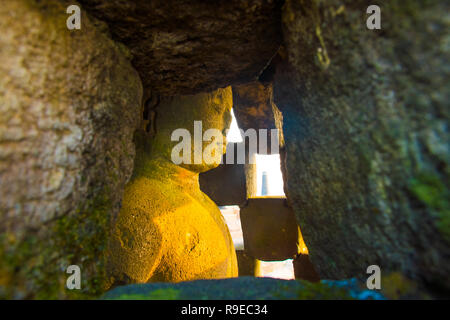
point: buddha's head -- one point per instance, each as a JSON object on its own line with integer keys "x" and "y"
{"x": 191, "y": 129}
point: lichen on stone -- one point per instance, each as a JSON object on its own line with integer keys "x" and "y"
{"x": 431, "y": 191}
{"x": 69, "y": 112}
{"x": 366, "y": 137}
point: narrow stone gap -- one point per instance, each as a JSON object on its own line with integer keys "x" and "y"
{"x": 264, "y": 234}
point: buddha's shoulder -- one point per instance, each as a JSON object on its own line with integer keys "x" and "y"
{"x": 152, "y": 193}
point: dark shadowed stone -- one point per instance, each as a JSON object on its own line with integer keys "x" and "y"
{"x": 225, "y": 185}
{"x": 270, "y": 229}
{"x": 303, "y": 268}
{"x": 366, "y": 129}
{"x": 183, "y": 47}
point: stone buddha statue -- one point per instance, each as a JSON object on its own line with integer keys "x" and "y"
{"x": 168, "y": 230}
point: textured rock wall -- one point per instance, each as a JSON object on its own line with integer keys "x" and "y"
{"x": 366, "y": 130}
{"x": 252, "y": 105}
{"x": 69, "y": 103}
{"x": 185, "y": 47}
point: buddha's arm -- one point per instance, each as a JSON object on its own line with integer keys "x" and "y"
{"x": 135, "y": 246}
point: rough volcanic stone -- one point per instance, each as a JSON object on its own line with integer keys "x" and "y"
{"x": 184, "y": 47}
{"x": 366, "y": 130}
{"x": 69, "y": 104}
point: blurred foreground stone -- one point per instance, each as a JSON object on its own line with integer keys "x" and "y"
{"x": 243, "y": 288}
